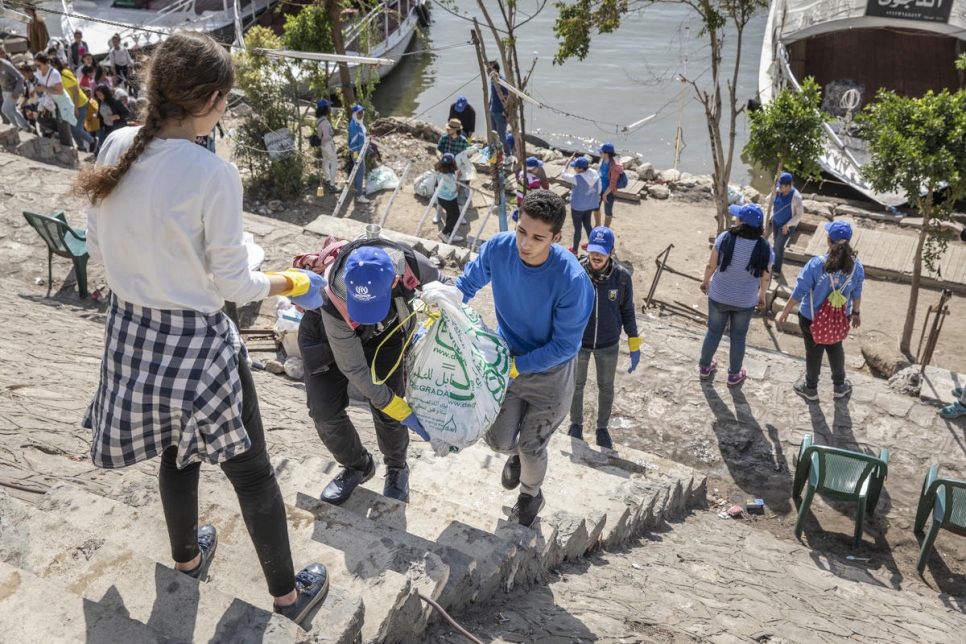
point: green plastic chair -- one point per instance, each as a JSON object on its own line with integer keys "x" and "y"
{"x": 64, "y": 241}
{"x": 839, "y": 474}
{"x": 946, "y": 499}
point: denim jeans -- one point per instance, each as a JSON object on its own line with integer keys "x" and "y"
{"x": 12, "y": 113}
{"x": 359, "y": 178}
{"x": 81, "y": 136}
{"x": 498, "y": 119}
{"x": 605, "y": 361}
{"x": 781, "y": 240}
{"x": 813, "y": 356}
{"x": 580, "y": 218}
{"x": 738, "y": 319}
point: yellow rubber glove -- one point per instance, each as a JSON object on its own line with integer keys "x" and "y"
{"x": 513, "y": 368}
{"x": 397, "y": 409}
{"x": 634, "y": 344}
{"x": 300, "y": 281}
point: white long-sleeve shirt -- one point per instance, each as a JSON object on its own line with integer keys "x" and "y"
{"x": 170, "y": 234}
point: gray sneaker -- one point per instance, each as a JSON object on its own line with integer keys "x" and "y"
{"x": 207, "y": 543}
{"x": 803, "y": 390}
{"x": 527, "y": 508}
{"x": 840, "y": 391}
{"x": 312, "y": 585}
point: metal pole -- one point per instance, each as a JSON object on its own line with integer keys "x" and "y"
{"x": 352, "y": 176}
{"x": 432, "y": 203}
{"x": 657, "y": 276}
{"x": 477, "y": 241}
{"x": 394, "y": 193}
{"x": 466, "y": 205}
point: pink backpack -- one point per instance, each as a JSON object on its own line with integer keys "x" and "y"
{"x": 830, "y": 324}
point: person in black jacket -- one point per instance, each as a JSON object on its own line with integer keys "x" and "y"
{"x": 613, "y": 310}
{"x": 369, "y": 285}
{"x": 463, "y": 111}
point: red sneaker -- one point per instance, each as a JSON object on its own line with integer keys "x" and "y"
{"x": 584, "y": 245}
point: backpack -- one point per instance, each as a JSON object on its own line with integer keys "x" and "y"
{"x": 830, "y": 325}
{"x": 622, "y": 181}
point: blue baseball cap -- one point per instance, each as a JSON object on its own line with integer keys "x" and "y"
{"x": 601, "y": 240}
{"x": 785, "y": 178}
{"x": 369, "y": 277}
{"x": 358, "y": 108}
{"x": 510, "y": 140}
{"x": 448, "y": 159}
{"x": 607, "y": 147}
{"x": 750, "y": 213}
{"x": 580, "y": 162}
{"x": 534, "y": 162}
{"x": 838, "y": 230}
{"x": 322, "y": 102}
{"x": 460, "y": 104}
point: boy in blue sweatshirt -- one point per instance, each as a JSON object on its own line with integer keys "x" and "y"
{"x": 613, "y": 309}
{"x": 543, "y": 298}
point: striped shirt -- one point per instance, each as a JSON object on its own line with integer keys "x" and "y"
{"x": 736, "y": 286}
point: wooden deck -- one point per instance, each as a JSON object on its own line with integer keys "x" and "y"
{"x": 889, "y": 255}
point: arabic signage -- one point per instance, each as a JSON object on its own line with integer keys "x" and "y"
{"x": 280, "y": 144}
{"x": 920, "y": 10}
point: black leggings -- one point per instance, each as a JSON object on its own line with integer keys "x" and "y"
{"x": 581, "y": 219}
{"x": 260, "y": 499}
{"x": 813, "y": 356}
{"x": 452, "y": 210}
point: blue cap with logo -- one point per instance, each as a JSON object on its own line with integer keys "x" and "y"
{"x": 838, "y": 230}
{"x": 534, "y": 162}
{"x": 510, "y": 140}
{"x": 607, "y": 147}
{"x": 322, "y": 102}
{"x": 448, "y": 159}
{"x": 601, "y": 240}
{"x": 580, "y": 162}
{"x": 750, "y": 213}
{"x": 369, "y": 277}
{"x": 460, "y": 104}
{"x": 785, "y": 178}
{"x": 357, "y": 108}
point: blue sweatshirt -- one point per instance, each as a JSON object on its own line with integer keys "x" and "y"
{"x": 814, "y": 283}
{"x": 541, "y": 311}
{"x": 612, "y": 310}
{"x": 357, "y": 136}
{"x": 496, "y": 106}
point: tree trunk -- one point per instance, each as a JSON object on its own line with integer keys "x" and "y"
{"x": 907, "y": 328}
{"x": 477, "y": 38}
{"x": 771, "y": 197}
{"x": 348, "y": 91}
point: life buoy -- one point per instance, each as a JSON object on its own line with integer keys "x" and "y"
{"x": 422, "y": 14}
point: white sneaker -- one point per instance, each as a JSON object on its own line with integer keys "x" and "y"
{"x": 443, "y": 238}
{"x": 464, "y": 223}
{"x": 458, "y": 238}
{"x": 435, "y": 219}
{"x": 361, "y": 199}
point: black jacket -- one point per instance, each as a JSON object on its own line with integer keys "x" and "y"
{"x": 613, "y": 306}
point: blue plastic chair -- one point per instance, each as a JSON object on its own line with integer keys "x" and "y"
{"x": 946, "y": 499}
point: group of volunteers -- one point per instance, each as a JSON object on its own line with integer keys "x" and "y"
{"x": 175, "y": 381}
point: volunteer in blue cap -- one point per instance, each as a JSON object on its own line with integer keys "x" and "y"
{"x": 584, "y": 196}
{"x": 613, "y": 310}
{"x": 785, "y": 215}
{"x": 357, "y": 139}
{"x": 535, "y": 167}
{"x": 326, "y": 134}
{"x": 463, "y": 111}
{"x": 736, "y": 280}
{"x": 498, "y": 94}
{"x": 357, "y": 328}
{"x": 837, "y": 277}
{"x": 610, "y": 171}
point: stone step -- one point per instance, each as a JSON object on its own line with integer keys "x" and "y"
{"x": 502, "y": 550}
{"x": 107, "y": 574}
{"x": 392, "y": 609}
{"x": 235, "y": 572}
{"x": 27, "y": 614}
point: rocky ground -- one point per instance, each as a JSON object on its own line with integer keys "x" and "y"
{"x": 704, "y": 579}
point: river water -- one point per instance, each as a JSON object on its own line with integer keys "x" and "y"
{"x": 629, "y": 75}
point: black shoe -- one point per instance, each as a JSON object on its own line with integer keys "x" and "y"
{"x": 397, "y": 483}
{"x": 577, "y": 431}
{"x": 603, "y": 439}
{"x": 207, "y": 542}
{"x": 527, "y": 509}
{"x": 511, "y": 473}
{"x": 311, "y": 584}
{"x": 345, "y": 482}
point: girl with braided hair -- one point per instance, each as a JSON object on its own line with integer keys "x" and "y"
{"x": 166, "y": 221}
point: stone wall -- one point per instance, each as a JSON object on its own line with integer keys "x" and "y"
{"x": 37, "y": 148}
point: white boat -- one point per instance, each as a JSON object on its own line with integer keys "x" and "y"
{"x": 852, "y": 48}
{"x": 140, "y": 23}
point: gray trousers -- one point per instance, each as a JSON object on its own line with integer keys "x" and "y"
{"x": 535, "y": 405}
{"x": 605, "y": 361}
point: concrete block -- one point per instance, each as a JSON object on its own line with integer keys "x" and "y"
{"x": 69, "y": 619}
{"x": 108, "y": 574}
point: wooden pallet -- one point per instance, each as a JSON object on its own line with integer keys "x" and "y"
{"x": 633, "y": 191}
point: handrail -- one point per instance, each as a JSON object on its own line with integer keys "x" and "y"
{"x": 354, "y": 30}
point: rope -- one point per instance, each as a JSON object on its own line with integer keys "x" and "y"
{"x": 462, "y": 631}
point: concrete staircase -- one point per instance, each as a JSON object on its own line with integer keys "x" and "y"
{"x": 108, "y": 554}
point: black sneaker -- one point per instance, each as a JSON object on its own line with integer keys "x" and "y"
{"x": 311, "y": 584}
{"x": 603, "y": 439}
{"x": 840, "y": 391}
{"x": 397, "y": 483}
{"x": 527, "y": 509}
{"x": 577, "y": 431}
{"x": 345, "y": 482}
{"x": 511, "y": 473}
{"x": 803, "y": 390}
{"x": 207, "y": 542}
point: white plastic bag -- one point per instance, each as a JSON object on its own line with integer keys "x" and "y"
{"x": 381, "y": 178}
{"x": 457, "y": 373}
{"x": 425, "y": 184}
{"x": 467, "y": 169}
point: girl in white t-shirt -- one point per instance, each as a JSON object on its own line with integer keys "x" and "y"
{"x": 166, "y": 221}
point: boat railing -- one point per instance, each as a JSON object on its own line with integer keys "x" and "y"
{"x": 790, "y": 77}
{"x": 378, "y": 33}
{"x": 174, "y": 7}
